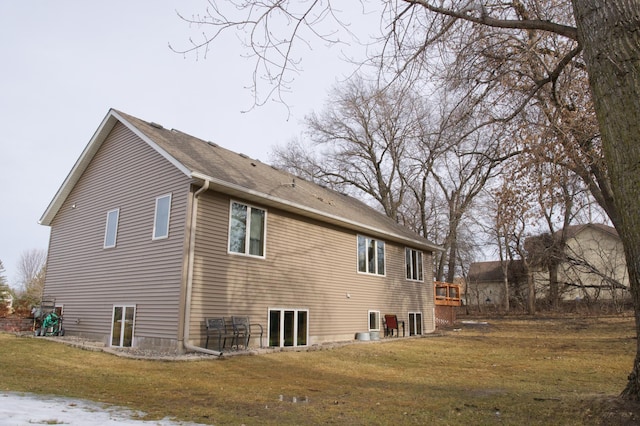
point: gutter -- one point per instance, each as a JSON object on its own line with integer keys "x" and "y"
{"x": 190, "y": 263}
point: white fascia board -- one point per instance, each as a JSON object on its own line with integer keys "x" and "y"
{"x": 87, "y": 155}
{"x": 306, "y": 211}
{"x": 78, "y": 168}
{"x": 177, "y": 164}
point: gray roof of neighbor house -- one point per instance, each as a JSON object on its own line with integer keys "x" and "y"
{"x": 240, "y": 176}
{"x": 481, "y": 272}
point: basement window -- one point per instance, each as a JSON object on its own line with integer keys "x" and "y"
{"x": 374, "y": 320}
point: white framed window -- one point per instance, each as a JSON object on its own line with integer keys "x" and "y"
{"x": 415, "y": 323}
{"x": 288, "y": 327}
{"x": 370, "y": 256}
{"x": 413, "y": 261}
{"x": 374, "y": 320}
{"x": 247, "y": 229}
{"x": 162, "y": 216}
{"x": 111, "y": 228}
{"x": 122, "y": 325}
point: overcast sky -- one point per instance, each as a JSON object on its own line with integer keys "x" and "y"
{"x": 65, "y": 63}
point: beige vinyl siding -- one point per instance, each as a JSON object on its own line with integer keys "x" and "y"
{"x": 308, "y": 265}
{"x": 89, "y": 279}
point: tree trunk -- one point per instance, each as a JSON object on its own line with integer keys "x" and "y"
{"x": 505, "y": 280}
{"x": 609, "y": 32}
{"x": 505, "y": 301}
{"x": 531, "y": 295}
{"x": 440, "y": 265}
{"x": 554, "y": 293}
{"x": 453, "y": 255}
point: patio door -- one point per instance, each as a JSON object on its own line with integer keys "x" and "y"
{"x": 288, "y": 327}
{"x": 415, "y": 323}
{"x": 122, "y": 325}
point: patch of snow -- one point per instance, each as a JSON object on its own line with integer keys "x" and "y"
{"x": 25, "y": 408}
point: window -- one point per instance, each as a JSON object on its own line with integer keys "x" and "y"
{"x": 247, "y": 230}
{"x": 111, "y": 230}
{"x": 370, "y": 255}
{"x": 414, "y": 264}
{"x": 374, "y": 320}
{"x": 161, "y": 220}
{"x": 288, "y": 327}
{"x": 415, "y": 323}
{"x": 122, "y": 326}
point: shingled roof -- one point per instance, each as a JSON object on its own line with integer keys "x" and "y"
{"x": 490, "y": 272}
{"x": 238, "y": 175}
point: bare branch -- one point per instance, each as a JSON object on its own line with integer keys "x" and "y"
{"x": 484, "y": 19}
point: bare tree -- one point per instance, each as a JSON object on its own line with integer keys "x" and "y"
{"x": 514, "y": 212}
{"x": 31, "y": 272}
{"x": 3, "y": 278}
{"x": 4, "y": 291}
{"x": 461, "y": 175}
{"x": 386, "y": 143}
{"x": 300, "y": 159}
{"x": 367, "y": 134}
{"x": 500, "y": 229}
{"x": 603, "y": 36}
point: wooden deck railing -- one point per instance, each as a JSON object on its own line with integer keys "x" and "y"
{"x": 447, "y": 294}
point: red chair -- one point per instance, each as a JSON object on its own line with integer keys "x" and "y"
{"x": 391, "y": 323}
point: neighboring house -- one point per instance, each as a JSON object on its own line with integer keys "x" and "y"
{"x": 592, "y": 265}
{"x": 485, "y": 282}
{"x": 154, "y": 230}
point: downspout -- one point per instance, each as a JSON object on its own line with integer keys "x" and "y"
{"x": 190, "y": 266}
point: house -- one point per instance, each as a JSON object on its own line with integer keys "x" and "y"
{"x": 154, "y": 230}
{"x": 591, "y": 266}
{"x": 485, "y": 282}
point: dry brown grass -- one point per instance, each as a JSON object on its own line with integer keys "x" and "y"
{"x": 514, "y": 371}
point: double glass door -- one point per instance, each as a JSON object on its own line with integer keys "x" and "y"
{"x": 288, "y": 327}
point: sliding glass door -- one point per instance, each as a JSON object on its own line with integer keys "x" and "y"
{"x": 288, "y": 327}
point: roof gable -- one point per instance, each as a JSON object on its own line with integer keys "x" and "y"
{"x": 240, "y": 176}
{"x": 87, "y": 155}
{"x": 572, "y": 231}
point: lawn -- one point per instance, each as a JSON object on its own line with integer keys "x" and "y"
{"x": 514, "y": 371}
